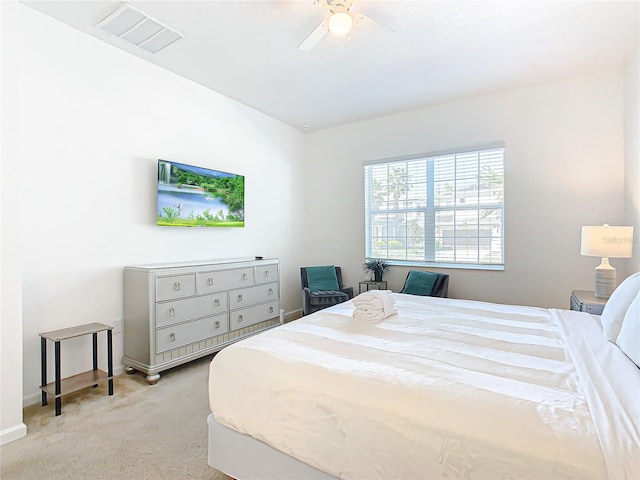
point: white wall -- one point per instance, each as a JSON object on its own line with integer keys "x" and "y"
{"x": 563, "y": 169}
{"x": 632, "y": 156}
{"x": 93, "y": 122}
{"x": 11, "y": 426}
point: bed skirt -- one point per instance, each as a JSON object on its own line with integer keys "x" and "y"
{"x": 243, "y": 457}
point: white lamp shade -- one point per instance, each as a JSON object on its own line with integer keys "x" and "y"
{"x": 340, "y": 23}
{"x": 607, "y": 241}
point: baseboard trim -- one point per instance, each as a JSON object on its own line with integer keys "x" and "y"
{"x": 293, "y": 315}
{"x": 31, "y": 399}
{"x": 13, "y": 433}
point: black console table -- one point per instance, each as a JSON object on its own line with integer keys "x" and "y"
{"x": 63, "y": 386}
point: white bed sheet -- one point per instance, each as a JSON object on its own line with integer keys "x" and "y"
{"x": 447, "y": 388}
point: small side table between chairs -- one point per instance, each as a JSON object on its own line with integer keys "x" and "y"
{"x": 367, "y": 285}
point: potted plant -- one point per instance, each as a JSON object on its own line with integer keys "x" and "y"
{"x": 376, "y": 265}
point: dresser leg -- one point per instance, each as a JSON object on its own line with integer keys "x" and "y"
{"x": 153, "y": 379}
{"x": 129, "y": 370}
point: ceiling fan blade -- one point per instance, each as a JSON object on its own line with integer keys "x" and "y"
{"x": 361, "y": 19}
{"x": 315, "y": 36}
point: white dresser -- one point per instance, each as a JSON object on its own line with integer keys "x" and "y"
{"x": 177, "y": 312}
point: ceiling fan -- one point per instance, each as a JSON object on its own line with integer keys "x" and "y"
{"x": 342, "y": 18}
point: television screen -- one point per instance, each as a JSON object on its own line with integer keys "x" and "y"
{"x": 191, "y": 196}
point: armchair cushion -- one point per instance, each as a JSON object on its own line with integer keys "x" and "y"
{"x": 322, "y": 279}
{"x": 420, "y": 283}
{"x": 327, "y": 297}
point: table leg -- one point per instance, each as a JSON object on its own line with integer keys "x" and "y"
{"x": 95, "y": 354}
{"x": 43, "y": 367}
{"x": 110, "y": 360}
{"x": 58, "y": 380}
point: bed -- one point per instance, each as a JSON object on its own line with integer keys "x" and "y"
{"x": 444, "y": 389}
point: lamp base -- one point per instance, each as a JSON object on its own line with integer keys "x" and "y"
{"x": 605, "y": 279}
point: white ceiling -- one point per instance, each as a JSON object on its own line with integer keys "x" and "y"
{"x": 433, "y": 51}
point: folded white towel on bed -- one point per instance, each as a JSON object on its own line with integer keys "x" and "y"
{"x": 374, "y": 305}
{"x": 374, "y": 297}
{"x": 369, "y": 315}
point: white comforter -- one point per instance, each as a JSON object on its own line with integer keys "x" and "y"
{"x": 446, "y": 388}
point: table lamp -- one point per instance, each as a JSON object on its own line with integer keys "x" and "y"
{"x": 606, "y": 242}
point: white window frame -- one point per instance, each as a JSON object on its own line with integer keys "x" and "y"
{"x": 431, "y": 208}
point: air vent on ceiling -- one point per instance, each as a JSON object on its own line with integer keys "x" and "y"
{"x": 140, "y": 29}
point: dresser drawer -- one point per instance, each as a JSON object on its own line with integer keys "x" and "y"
{"x": 177, "y": 336}
{"x": 224, "y": 279}
{"x": 252, "y": 295}
{"x": 176, "y": 311}
{"x": 176, "y": 286}
{"x": 246, "y": 317}
{"x": 267, "y": 273}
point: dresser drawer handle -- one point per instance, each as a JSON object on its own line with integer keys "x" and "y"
{"x": 172, "y": 312}
{"x": 172, "y": 337}
{"x": 217, "y": 324}
{"x": 271, "y": 291}
{"x": 244, "y": 276}
{"x": 240, "y": 318}
{"x": 266, "y": 273}
{"x": 177, "y": 285}
{"x": 271, "y": 309}
{"x": 210, "y": 281}
{"x": 239, "y": 297}
{"x": 216, "y": 302}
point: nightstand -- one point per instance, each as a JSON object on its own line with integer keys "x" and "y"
{"x": 585, "y": 301}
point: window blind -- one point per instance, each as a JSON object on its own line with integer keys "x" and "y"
{"x": 441, "y": 209}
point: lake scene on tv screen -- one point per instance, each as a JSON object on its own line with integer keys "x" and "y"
{"x": 191, "y": 196}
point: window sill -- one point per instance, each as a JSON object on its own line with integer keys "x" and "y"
{"x": 463, "y": 266}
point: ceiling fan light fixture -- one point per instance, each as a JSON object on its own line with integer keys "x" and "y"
{"x": 340, "y": 23}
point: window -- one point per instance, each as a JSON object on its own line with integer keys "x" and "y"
{"x": 441, "y": 209}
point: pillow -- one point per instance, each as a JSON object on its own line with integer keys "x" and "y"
{"x": 420, "y": 283}
{"x": 629, "y": 338}
{"x": 616, "y": 307}
{"x": 322, "y": 278}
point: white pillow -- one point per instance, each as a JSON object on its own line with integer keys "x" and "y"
{"x": 629, "y": 338}
{"x": 616, "y": 307}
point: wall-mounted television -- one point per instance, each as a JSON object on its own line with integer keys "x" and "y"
{"x": 190, "y": 196}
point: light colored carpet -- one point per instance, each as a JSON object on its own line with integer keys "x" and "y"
{"x": 141, "y": 432}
